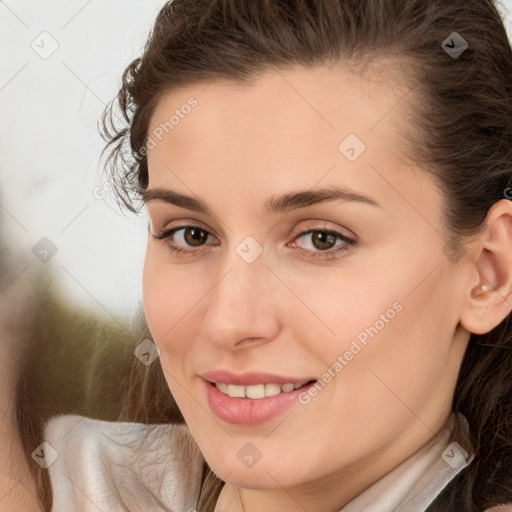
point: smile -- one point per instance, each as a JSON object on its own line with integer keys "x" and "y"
{"x": 257, "y": 391}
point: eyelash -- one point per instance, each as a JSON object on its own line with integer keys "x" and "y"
{"x": 349, "y": 243}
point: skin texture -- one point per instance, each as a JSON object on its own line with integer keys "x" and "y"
{"x": 292, "y": 313}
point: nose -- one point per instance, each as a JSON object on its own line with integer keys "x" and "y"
{"x": 243, "y": 305}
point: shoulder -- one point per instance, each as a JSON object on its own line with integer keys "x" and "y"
{"x": 501, "y": 508}
{"x": 110, "y": 465}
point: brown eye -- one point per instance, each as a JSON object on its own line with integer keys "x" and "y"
{"x": 195, "y": 236}
{"x": 323, "y": 240}
{"x": 323, "y": 243}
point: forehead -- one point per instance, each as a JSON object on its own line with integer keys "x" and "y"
{"x": 322, "y": 100}
{"x": 322, "y": 86}
{"x": 284, "y": 128}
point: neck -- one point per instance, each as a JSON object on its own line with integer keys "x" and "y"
{"x": 331, "y": 492}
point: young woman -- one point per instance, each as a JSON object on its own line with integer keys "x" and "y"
{"x": 328, "y": 276}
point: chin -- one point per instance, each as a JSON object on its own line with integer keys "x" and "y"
{"x": 263, "y": 475}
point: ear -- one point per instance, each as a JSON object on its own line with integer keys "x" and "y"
{"x": 489, "y": 290}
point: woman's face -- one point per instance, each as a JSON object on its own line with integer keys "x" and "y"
{"x": 281, "y": 275}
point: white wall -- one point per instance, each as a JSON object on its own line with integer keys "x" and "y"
{"x": 50, "y": 146}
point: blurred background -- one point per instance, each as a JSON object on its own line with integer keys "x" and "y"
{"x": 70, "y": 258}
{"x": 61, "y": 64}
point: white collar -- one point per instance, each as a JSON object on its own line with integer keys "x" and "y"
{"x": 415, "y": 483}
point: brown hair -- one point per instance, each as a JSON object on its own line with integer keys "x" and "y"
{"x": 462, "y": 136}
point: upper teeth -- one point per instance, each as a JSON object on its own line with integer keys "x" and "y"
{"x": 258, "y": 390}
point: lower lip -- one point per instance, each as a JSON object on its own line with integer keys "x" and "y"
{"x": 248, "y": 411}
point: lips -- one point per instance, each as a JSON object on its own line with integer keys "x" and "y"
{"x": 255, "y": 409}
{"x": 252, "y": 378}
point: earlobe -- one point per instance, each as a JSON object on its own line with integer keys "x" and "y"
{"x": 490, "y": 300}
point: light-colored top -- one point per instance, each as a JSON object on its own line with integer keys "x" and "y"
{"x": 163, "y": 465}
{"x": 415, "y": 483}
{"x": 149, "y": 467}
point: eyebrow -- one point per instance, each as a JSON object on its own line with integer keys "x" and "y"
{"x": 276, "y": 204}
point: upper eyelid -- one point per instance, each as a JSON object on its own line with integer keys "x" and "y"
{"x": 187, "y": 224}
{"x": 324, "y": 226}
{"x": 165, "y": 232}
{"x": 348, "y": 243}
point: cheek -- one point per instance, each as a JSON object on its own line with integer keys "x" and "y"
{"x": 340, "y": 309}
{"x": 381, "y": 333}
{"x": 401, "y": 355}
{"x": 166, "y": 300}
{"x": 175, "y": 299}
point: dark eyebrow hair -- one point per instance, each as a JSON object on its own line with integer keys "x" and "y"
{"x": 276, "y": 204}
